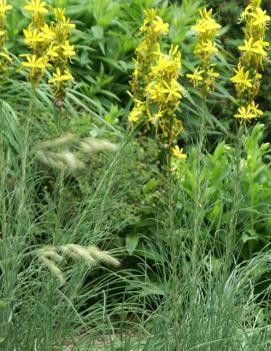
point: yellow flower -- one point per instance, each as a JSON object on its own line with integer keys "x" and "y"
{"x": 206, "y": 26}
{"x": 260, "y": 18}
{"x": 255, "y": 16}
{"x": 206, "y": 49}
{"x": 241, "y": 79}
{"x": 172, "y": 91}
{"x": 159, "y": 26}
{"x": 5, "y": 54}
{"x": 137, "y": 111}
{"x": 252, "y": 47}
{"x": 63, "y": 26}
{"x": 163, "y": 92}
{"x": 4, "y": 8}
{"x": 165, "y": 63}
{"x": 59, "y": 14}
{"x": 60, "y": 77}
{"x": 248, "y": 112}
{"x": 149, "y": 16}
{"x": 52, "y": 52}
{"x": 153, "y": 23}
{"x": 196, "y": 77}
{"x": 47, "y": 33}
{"x": 255, "y": 108}
{"x": 32, "y": 37}
{"x": 245, "y": 113}
{"x": 68, "y": 50}
{"x": 211, "y": 72}
{"x": 178, "y": 153}
{"x": 37, "y": 65}
{"x": 36, "y": 7}
{"x": 247, "y": 12}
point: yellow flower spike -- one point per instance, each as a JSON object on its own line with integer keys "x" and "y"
{"x": 60, "y": 53}
{"x": 206, "y": 30}
{"x": 5, "y": 58}
{"x": 155, "y": 88}
{"x": 247, "y": 78}
{"x": 147, "y": 53}
{"x": 38, "y": 38}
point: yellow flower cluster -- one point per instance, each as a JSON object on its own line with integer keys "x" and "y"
{"x": 37, "y": 39}
{"x": 49, "y": 44}
{"x": 61, "y": 52}
{"x": 247, "y": 78}
{"x": 163, "y": 94}
{"x": 153, "y": 28}
{"x": 5, "y": 58}
{"x": 155, "y": 88}
{"x": 206, "y": 30}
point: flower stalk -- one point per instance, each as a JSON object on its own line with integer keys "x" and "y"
{"x": 248, "y": 73}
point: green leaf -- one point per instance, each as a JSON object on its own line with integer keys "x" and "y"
{"x": 150, "y": 185}
{"x": 98, "y": 33}
{"x": 131, "y": 243}
{"x": 250, "y": 235}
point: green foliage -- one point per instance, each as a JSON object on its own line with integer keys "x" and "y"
{"x": 216, "y": 181}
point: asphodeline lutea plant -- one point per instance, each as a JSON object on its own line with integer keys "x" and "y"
{"x": 248, "y": 73}
{"x": 155, "y": 88}
{"x": 163, "y": 94}
{"x": 152, "y": 29}
{"x": 50, "y": 47}
{"x": 38, "y": 37}
{"x": 206, "y": 30}
{"x": 61, "y": 52}
{"x": 5, "y": 58}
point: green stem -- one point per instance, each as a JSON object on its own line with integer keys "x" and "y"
{"x": 197, "y": 198}
{"x": 174, "y": 267}
{"x": 236, "y": 193}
